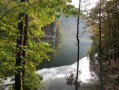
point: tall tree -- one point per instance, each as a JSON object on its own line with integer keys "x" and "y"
{"x": 30, "y": 47}
{"x": 100, "y": 44}
{"x": 78, "y": 47}
{"x": 109, "y": 31}
{"x": 21, "y": 53}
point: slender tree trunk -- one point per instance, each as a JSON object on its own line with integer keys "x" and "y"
{"x": 78, "y": 47}
{"x": 100, "y": 45}
{"x": 109, "y": 36}
{"x": 24, "y": 44}
{"x": 115, "y": 29}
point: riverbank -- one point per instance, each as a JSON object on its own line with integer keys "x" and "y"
{"x": 111, "y": 75}
{"x": 55, "y": 77}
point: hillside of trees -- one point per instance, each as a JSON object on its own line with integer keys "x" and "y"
{"x": 104, "y": 21}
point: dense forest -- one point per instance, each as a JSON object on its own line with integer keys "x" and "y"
{"x": 26, "y": 24}
{"x": 104, "y": 21}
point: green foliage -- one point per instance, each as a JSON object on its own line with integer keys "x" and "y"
{"x": 110, "y": 28}
{"x": 40, "y": 13}
{"x": 33, "y": 81}
{"x": 109, "y": 40}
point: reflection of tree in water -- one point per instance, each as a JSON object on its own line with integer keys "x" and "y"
{"x": 71, "y": 78}
{"x": 53, "y": 35}
{"x": 91, "y": 84}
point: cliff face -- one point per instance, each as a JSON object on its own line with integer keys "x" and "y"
{"x": 53, "y": 35}
{"x": 53, "y": 30}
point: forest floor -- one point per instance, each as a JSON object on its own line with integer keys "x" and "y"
{"x": 111, "y": 75}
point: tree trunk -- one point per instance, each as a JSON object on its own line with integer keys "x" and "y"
{"x": 24, "y": 44}
{"x": 18, "y": 74}
{"x": 21, "y": 53}
{"x": 100, "y": 45}
{"x": 78, "y": 47}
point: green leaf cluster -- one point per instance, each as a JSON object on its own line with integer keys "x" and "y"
{"x": 40, "y": 13}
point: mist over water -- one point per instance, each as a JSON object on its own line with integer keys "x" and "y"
{"x": 67, "y": 52}
{"x": 55, "y": 78}
{"x": 54, "y": 72}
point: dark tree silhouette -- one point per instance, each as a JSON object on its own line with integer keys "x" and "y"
{"x": 20, "y": 54}
{"x": 100, "y": 44}
{"x": 78, "y": 46}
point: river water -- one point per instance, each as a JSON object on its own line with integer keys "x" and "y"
{"x": 64, "y": 62}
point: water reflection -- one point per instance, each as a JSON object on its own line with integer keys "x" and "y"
{"x": 67, "y": 53}
{"x": 63, "y": 64}
{"x": 54, "y": 78}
